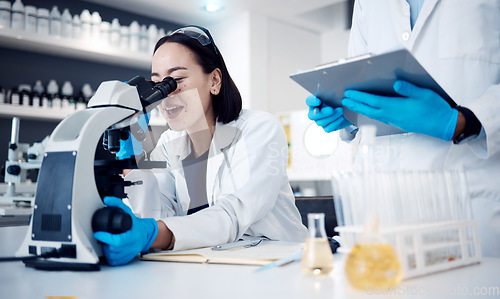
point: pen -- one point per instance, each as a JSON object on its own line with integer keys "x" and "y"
{"x": 318, "y": 92}
{"x": 296, "y": 256}
{"x": 242, "y": 243}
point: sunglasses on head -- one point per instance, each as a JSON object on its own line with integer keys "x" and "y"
{"x": 202, "y": 35}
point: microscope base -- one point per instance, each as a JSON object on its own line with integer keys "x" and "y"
{"x": 60, "y": 266}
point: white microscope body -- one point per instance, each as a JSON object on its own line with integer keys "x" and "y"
{"x": 67, "y": 195}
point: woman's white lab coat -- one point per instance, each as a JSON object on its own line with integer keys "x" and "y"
{"x": 247, "y": 186}
{"x": 458, "y": 42}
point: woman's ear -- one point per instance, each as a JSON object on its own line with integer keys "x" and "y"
{"x": 216, "y": 81}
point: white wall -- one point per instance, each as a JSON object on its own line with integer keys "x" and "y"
{"x": 233, "y": 40}
{"x": 290, "y": 49}
{"x": 334, "y": 44}
{"x": 262, "y": 53}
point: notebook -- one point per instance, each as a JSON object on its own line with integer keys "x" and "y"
{"x": 371, "y": 73}
{"x": 267, "y": 251}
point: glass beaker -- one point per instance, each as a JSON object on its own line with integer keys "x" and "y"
{"x": 372, "y": 262}
{"x": 317, "y": 257}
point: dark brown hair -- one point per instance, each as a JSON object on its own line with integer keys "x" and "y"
{"x": 227, "y": 104}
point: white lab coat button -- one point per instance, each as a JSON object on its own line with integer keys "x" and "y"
{"x": 405, "y": 36}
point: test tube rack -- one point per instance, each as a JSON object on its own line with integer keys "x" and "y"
{"x": 425, "y": 216}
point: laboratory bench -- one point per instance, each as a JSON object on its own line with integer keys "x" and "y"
{"x": 148, "y": 279}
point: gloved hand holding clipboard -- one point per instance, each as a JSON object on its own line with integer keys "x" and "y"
{"x": 375, "y": 74}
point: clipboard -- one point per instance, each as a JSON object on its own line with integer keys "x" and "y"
{"x": 370, "y": 73}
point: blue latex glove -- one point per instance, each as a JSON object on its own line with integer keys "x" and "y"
{"x": 120, "y": 249}
{"x": 131, "y": 146}
{"x": 330, "y": 119}
{"x": 419, "y": 110}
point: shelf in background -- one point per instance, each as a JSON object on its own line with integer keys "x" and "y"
{"x": 27, "y": 112}
{"x": 51, "y": 45}
{"x": 8, "y": 110}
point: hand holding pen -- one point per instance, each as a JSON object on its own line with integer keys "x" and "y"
{"x": 239, "y": 243}
{"x": 329, "y": 118}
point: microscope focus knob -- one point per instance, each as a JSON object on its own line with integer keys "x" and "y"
{"x": 111, "y": 219}
{"x": 14, "y": 170}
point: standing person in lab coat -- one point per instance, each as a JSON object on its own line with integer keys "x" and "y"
{"x": 458, "y": 42}
{"x": 226, "y": 167}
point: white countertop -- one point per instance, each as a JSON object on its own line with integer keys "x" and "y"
{"x": 143, "y": 279}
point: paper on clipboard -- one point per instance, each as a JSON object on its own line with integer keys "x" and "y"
{"x": 370, "y": 73}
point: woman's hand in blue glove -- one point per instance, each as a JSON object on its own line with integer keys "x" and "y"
{"x": 131, "y": 146}
{"x": 419, "y": 110}
{"x": 120, "y": 249}
{"x": 330, "y": 119}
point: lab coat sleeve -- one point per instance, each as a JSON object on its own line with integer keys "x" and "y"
{"x": 155, "y": 197}
{"x": 487, "y": 110}
{"x": 254, "y": 170}
{"x": 357, "y": 42}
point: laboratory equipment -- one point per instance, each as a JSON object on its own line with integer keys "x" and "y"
{"x": 425, "y": 215}
{"x": 317, "y": 258}
{"x": 372, "y": 261}
{"x": 22, "y": 158}
{"x": 72, "y": 184}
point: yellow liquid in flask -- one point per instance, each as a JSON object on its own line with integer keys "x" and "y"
{"x": 317, "y": 257}
{"x": 373, "y": 265}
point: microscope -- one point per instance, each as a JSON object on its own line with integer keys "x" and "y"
{"x": 22, "y": 159}
{"x": 71, "y": 184}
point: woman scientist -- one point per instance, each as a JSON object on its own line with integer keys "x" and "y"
{"x": 226, "y": 171}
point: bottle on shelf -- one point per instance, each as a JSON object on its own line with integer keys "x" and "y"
{"x": 96, "y": 26}
{"x": 114, "y": 33}
{"x": 53, "y": 95}
{"x": 36, "y": 95}
{"x": 143, "y": 39}
{"x": 68, "y": 101}
{"x": 24, "y": 94}
{"x": 5, "y": 13}
{"x": 77, "y": 27}
{"x": 42, "y": 25}
{"x": 14, "y": 97}
{"x": 67, "y": 24}
{"x": 84, "y": 96}
{"x": 152, "y": 37}
{"x": 17, "y": 17}
{"x": 55, "y": 22}
{"x": 45, "y": 101}
{"x": 86, "y": 21}
{"x": 30, "y": 19}
{"x": 105, "y": 28}
{"x": 2, "y": 95}
{"x": 124, "y": 38}
{"x": 317, "y": 257}
{"x": 134, "y": 31}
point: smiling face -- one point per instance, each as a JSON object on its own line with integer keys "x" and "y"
{"x": 190, "y": 106}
